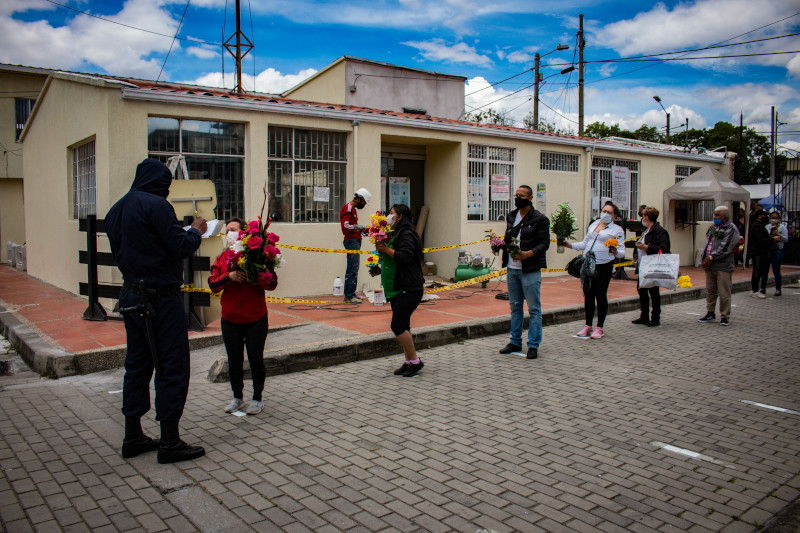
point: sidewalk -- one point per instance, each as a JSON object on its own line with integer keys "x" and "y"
{"x": 46, "y": 327}
{"x": 687, "y": 427}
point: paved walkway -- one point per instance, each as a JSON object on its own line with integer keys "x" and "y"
{"x": 686, "y": 427}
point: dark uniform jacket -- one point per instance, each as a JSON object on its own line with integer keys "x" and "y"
{"x": 408, "y": 257}
{"x": 657, "y": 240}
{"x": 146, "y": 238}
{"x": 534, "y": 234}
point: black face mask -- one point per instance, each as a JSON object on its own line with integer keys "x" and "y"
{"x": 361, "y": 205}
{"x": 521, "y": 203}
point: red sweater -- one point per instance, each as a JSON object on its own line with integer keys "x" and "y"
{"x": 348, "y": 218}
{"x": 242, "y": 303}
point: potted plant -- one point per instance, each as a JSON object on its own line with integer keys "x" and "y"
{"x": 562, "y": 224}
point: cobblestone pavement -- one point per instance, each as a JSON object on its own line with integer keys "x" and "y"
{"x": 649, "y": 429}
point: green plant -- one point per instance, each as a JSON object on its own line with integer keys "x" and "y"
{"x": 562, "y": 222}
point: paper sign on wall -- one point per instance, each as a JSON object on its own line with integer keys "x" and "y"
{"x": 541, "y": 197}
{"x": 501, "y": 187}
{"x": 620, "y": 186}
{"x": 399, "y": 191}
{"x": 322, "y": 194}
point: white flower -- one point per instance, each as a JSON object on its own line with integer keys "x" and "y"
{"x": 279, "y": 261}
{"x": 237, "y": 246}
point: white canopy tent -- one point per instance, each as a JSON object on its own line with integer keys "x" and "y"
{"x": 706, "y": 184}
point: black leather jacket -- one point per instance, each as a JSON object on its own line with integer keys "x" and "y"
{"x": 534, "y": 234}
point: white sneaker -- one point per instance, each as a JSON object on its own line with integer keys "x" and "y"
{"x": 235, "y": 404}
{"x": 759, "y": 295}
{"x": 255, "y": 407}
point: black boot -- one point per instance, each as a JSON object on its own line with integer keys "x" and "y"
{"x": 641, "y": 320}
{"x": 135, "y": 441}
{"x": 172, "y": 448}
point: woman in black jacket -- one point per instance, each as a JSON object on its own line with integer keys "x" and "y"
{"x": 401, "y": 274}
{"x": 654, "y": 239}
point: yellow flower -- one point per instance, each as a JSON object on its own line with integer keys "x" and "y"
{"x": 611, "y": 242}
{"x": 684, "y": 282}
{"x": 242, "y": 261}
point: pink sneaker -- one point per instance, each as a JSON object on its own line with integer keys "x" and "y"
{"x": 597, "y": 333}
{"x": 585, "y": 331}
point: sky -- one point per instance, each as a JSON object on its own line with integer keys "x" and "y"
{"x": 486, "y": 42}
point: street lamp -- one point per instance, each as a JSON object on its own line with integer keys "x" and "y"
{"x": 657, "y": 99}
{"x": 538, "y": 77}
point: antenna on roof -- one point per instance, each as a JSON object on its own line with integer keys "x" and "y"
{"x": 236, "y": 48}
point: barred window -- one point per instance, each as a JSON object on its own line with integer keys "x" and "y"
{"x": 22, "y": 108}
{"x": 559, "y": 161}
{"x": 487, "y": 163}
{"x": 601, "y": 183}
{"x": 307, "y": 174}
{"x": 213, "y": 151}
{"x": 705, "y": 210}
{"x": 84, "y": 183}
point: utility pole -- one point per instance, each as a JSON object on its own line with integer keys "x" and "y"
{"x": 581, "y": 44}
{"x": 772, "y": 153}
{"x": 537, "y": 78}
{"x": 667, "y": 128}
{"x": 737, "y": 165}
{"x": 686, "y": 140}
{"x": 236, "y": 49}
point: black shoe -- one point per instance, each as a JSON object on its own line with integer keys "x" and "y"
{"x": 641, "y": 320}
{"x": 511, "y": 348}
{"x": 723, "y": 322}
{"x": 778, "y": 292}
{"x": 178, "y": 451}
{"x": 139, "y": 445}
{"x": 413, "y": 369}
{"x": 654, "y": 323}
{"x": 401, "y": 370}
{"x": 710, "y": 317}
{"x": 533, "y": 353}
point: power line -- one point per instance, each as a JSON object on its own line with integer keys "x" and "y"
{"x": 164, "y": 64}
{"x": 132, "y": 27}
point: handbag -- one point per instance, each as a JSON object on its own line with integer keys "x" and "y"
{"x": 575, "y": 264}
{"x": 659, "y": 270}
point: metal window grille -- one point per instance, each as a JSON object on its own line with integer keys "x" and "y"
{"x": 704, "y": 211}
{"x": 482, "y": 163}
{"x": 213, "y": 151}
{"x": 84, "y": 184}
{"x": 559, "y": 161}
{"x": 22, "y": 108}
{"x": 299, "y": 161}
{"x": 601, "y": 174}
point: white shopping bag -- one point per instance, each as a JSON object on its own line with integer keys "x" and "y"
{"x": 659, "y": 270}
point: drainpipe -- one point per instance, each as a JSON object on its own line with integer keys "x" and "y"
{"x": 355, "y": 154}
{"x": 587, "y": 204}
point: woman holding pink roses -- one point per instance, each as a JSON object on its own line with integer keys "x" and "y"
{"x": 244, "y": 310}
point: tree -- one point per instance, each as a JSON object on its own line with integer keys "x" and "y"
{"x": 549, "y": 127}
{"x": 489, "y": 116}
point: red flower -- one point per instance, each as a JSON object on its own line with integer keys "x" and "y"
{"x": 273, "y": 238}
{"x": 254, "y": 242}
{"x": 253, "y": 224}
{"x": 268, "y": 280}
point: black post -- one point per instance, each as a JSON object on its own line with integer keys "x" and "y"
{"x": 95, "y": 311}
{"x": 193, "y": 322}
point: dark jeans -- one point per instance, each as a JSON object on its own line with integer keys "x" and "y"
{"x": 402, "y": 306}
{"x": 760, "y": 272}
{"x": 172, "y": 343}
{"x": 351, "y": 274}
{"x": 236, "y": 338}
{"x": 651, "y": 294}
{"x": 598, "y": 291}
{"x": 775, "y": 259}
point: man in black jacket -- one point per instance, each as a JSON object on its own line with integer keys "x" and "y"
{"x": 758, "y": 247}
{"x": 528, "y": 237}
{"x": 149, "y": 245}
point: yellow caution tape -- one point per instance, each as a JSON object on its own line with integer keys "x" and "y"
{"x": 341, "y": 251}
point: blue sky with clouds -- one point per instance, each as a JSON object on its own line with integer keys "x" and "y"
{"x": 484, "y": 41}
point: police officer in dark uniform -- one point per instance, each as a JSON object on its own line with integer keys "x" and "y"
{"x": 149, "y": 245}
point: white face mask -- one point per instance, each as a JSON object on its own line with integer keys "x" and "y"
{"x": 605, "y": 218}
{"x": 231, "y": 237}
{"x": 390, "y": 220}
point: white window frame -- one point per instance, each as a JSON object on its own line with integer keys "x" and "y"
{"x": 482, "y": 162}
{"x": 601, "y": 169}
{"x": 84, "y": 180}
{"x": 559, "y": 162}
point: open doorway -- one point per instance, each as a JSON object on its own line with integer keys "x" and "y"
{"x": 403, "y": 177}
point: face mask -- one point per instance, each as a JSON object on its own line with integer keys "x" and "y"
{"x": 717, "y": 221}
{"x": 361, "y": 205}
{"x": 390, "y": 219}
{"x": 775, "y": 221}
{"x": 231, "y": 237}
{"x": 521, "y": 203}
{"x": 605, "y": 218}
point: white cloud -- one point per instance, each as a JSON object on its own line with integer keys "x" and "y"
{"x": 202, "y": 52}
{"x": 703, "y": 22}
{"x": 439, "y": 50}
{"x": 752, "y": 99}
{"x": 267, "y": 81}
{"x": 520, "y": 56}
{"x": 793, "y": 148}
{"x": 7, "y": 7}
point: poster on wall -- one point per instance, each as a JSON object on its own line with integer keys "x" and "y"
{"x": 322, "y": 194}
{"x": 541, "y": 197}
{"x": 400, "y": 191}
{"x": 620, "y": 186}
{"x": 501, "y": 187}
{"x": 475, "y": 196}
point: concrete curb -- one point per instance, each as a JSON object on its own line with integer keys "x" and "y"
{"x": 52, "y": 362}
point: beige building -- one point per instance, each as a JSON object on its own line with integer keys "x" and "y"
{"x": 87, "y": 133}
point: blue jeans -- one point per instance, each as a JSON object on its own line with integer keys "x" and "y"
{"x": 528, "y": 287}
{"x": 775, "y": 260}
{"x": 351, "y": 274}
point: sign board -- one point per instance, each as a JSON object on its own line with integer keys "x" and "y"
{"x": 399, "y": 191}
{"x": 501, "y": 187}
{"x": 541, "y": 197}
{"x": 475, "y": 191}
{"x": 322, "y": 194}
{"x": 620, "y": 186}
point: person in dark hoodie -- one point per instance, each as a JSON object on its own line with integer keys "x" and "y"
{"x": 401, "y": 274}
{"x": 149, "y": 245}
{"x": 654, "y": 240}
{"x": 528, "y": 236}
{"x": 759, "y": 245}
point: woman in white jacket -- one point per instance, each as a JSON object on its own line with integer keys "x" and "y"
{"x": 600, "y": 231}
